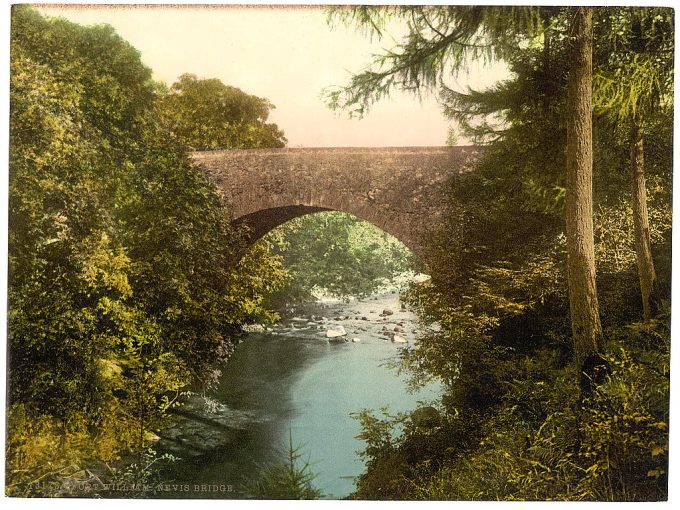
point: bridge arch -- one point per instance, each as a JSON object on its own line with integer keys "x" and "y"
{"x": 399, "y": 189}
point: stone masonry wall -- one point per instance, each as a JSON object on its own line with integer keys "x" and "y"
{"x": 398, "y": 189}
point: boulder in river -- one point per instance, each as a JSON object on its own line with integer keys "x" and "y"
{"x": 387, "y": 311}
{"x": 356, "y": 340}
{"x": 398, "y": 329}
{"x": 399, "y": 339}
{"x": 336, "y": 332}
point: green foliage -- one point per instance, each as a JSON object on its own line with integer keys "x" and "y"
{"x": 636, "y": 54}
{"x": 384, "y": 465}
{"x": 537, "y": 444}
{"x": 625, "y": 444}
{"x": 288, "y": 479}
{"x": 122, "y": 280}
{"x": 135, "y": 479}
{"x": 440, "y": 41}
{"x": 336, "y": 254}
{"x": 451, "y": 137}
{"x": 209, "y": 115}
{"x": 495, "y": 317}
{"x": 42, "y": 450}
{"x": 615, "y": 248}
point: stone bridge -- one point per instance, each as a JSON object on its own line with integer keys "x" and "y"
{"x": 400, "y": 190}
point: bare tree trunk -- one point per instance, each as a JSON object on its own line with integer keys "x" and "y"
{"x": 583, "y": 303}
{"x": 643, "y": 243}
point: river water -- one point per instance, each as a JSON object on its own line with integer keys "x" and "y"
{"x": 292, "y": 380}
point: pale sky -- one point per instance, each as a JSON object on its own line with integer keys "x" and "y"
{"x": 288, "y": 55}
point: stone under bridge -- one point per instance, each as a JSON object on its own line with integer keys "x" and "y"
{"x": 399, "y": 189}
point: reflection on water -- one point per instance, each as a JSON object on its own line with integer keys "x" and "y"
{"x": 293, "y": 379}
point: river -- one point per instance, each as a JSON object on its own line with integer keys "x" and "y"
{"x": 290, "y": 379}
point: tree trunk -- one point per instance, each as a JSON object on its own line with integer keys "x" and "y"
{"x": 643, "y": 243}
{"x": 583, "y": 303}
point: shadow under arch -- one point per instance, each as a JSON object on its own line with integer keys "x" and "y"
{"x": 261, "y": 222}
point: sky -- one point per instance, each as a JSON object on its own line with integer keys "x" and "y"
{"x": 286, "y": 54}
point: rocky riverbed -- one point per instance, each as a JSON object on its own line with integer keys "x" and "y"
{"x": 380, "y": 317}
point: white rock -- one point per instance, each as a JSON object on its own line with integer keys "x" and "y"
{"x": 356, "y": 340}
{"x": 399, "y": 339}
{"x": 339, "y": 331}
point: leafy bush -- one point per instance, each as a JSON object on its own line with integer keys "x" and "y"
{"x": 123, "y": 283}
{"x": 540, "y": 442}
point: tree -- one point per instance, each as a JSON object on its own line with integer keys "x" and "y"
{"x": 288, "y": 477}
{"x": 500, "y": 335}
{"x": 124, "y": 285}
{"x": 440, "y": 40}
{"x": 635, "y": 81}
{"x": 451, "y": 137}
{"x": 583, "y": 303}
{"x": 206, "y": 114}
{"x": 66, "y": 264}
